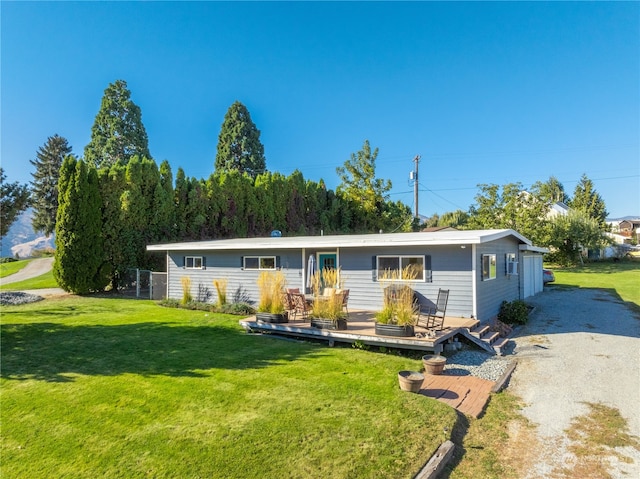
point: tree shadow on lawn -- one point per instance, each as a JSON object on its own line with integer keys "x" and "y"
{"x": 55, "y": 352}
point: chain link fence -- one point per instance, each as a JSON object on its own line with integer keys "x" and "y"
{"x": 143, "y": 283}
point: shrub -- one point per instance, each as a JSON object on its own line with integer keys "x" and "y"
{"x": 514, "y": 312}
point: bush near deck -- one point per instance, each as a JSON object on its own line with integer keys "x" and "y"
{"x": 95, "y": 387}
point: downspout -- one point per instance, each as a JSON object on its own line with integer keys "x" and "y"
{"x": 474, "y": 281}
{"x": 303, "y": 284}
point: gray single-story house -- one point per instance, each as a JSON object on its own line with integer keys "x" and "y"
{"x": 481, "y": 268}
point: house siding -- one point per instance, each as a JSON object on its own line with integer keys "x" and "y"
{"x": 228, "y": 265}
{"x": 450, "y": 270}
{"x": 491, "y": 293}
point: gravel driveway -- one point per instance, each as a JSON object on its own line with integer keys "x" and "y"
{"x": 580, "y": 346}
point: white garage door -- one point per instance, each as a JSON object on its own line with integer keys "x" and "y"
{"x": 532, "y": 275}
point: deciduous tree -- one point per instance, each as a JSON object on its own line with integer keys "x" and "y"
{"x": 360, "y": 186}
{"x": 44, "y": 187}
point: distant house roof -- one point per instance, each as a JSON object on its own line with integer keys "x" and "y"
{"x": 431, "y": 229}
{"x": 558, "y": 208}
{"x": 444, "y": 237}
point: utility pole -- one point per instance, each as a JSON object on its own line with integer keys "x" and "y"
{"x": 414, "y": 177}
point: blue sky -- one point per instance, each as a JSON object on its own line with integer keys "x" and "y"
{"x": 484, "y": 92}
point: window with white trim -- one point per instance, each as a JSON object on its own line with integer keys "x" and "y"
{"x": 511, "y": 264}
{"x": 392, "y": 266}
{"x": 193, "y": 262}
{"x": 488, "y": 266}
{"x": 259, "y": 262}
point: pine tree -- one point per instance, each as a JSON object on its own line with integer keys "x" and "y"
{"x": 44, "y": 187}
{"x": 79, "y": 257}
{"x": 239, "y": 146}
{"x": 14, "y": 199}
{"x": 589, "y": 201}
{"x": 117, "y": 133}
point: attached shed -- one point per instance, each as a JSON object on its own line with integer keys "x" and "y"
{"x": 481, "y": 268}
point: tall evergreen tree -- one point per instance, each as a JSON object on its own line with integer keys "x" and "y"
{"x": 117, "y": 133}
{"x": 360, "y": 185}
{"x": 552, "y": 190}
{"x": 239, "y": 146}
{"x": 14, "y": 199}
{"x": 588, "y": 200}
{"x": 79, "y": 256}
{"x": 44, "y": 187}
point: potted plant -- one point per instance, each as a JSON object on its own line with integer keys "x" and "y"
{"x": 271, "y": 307}
{"x": 327, "y": 310}
{"x": 397, "y": 316}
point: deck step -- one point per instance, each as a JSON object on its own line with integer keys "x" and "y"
{"x": 500, "y": 344}
{"x": 491, "y": 338}
{"x": 479, "y": 333}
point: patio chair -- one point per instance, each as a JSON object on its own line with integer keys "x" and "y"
{"x": 289, "y": 303}
{"x": 434, "y": 317}
{"x": 345, "y": 299}
{"x": 300, "y": 305}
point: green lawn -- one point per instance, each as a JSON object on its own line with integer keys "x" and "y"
{"x": 99, "y": 387}
{"x": 39, "y": 282}
{"x": 12, "y": 267}
{"x": 622, "y": 277}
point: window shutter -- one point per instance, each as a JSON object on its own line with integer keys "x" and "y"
{"x": 427, "y": 267}
{"x": 278, "y": 264}
{"x": 241, "y": 262}
{"x": 204, "y": 262}
{"x": 184, "y": 262}
{"x": 374, "y": 267}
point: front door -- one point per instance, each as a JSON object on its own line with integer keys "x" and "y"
{"x": 327, "y": 261}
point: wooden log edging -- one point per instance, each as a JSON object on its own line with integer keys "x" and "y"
{"x": 438, "y": 461}
{"x": 506, "y": 375}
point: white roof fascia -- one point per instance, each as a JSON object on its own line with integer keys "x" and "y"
{"x": 533, "y": 249}
{"x": 345, "y": 241}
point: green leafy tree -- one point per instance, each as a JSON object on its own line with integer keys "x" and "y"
{"x": 14, "y": 199}
{"x": 511, "y": 207}
{"x": 552, "y": 190}
{"x": 239, "y": 146}
{"x": 456, "y": 219}
{"x": 117, "y": 133}
{"x": 79, "y": 257}
{"x": 360, "y": 186}
{"x": 589, "y": 201}
{"x": 573, "y": 233}
{"x": 44, "y": 187}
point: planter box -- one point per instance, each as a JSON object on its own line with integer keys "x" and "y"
{"x": 273, "y": 317}
{"x": 321, "y": 323}
{"x": 410, "y": 381}
{"x": 395, "y": 330}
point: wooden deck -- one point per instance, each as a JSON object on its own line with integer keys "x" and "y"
{"x": 361, "y": 328}
{"x": 467, "y": 394}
